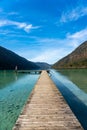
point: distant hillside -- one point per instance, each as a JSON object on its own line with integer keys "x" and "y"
{"x": 77, "y": 59}
{"x": 9, "y": 59}
{"x": 43, "y": 65}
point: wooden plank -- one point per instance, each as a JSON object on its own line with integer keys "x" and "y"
{"x": 46, "y": 109}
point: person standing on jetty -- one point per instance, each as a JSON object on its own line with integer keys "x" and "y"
{"x": 16, "y": 68}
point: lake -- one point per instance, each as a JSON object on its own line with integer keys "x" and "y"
{"x": 77, "y": 76}
{"x": 14, "y": 92}
{"x": 16, "y": 88}
{"x": 72, "y": 83}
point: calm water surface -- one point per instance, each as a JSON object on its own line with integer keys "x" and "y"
{"x": 77, "y": 76}
{"x": 72, "y": 83}
{"x": 14, "y": 91}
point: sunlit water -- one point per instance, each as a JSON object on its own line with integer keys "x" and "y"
{"x": 73, "y": 86}
{"x": 14, "y": 91}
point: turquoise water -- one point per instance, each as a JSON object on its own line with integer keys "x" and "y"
{"x": 14, "y": 91}
{"x": 77, "y": 76}
{"x": 73, "y": 86}
{"x": 75, "y": 81}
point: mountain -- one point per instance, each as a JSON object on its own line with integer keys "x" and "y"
{"x": 9, "y": 59}
{"x": 77, "y": 59}
{"x": 43, "y": 65}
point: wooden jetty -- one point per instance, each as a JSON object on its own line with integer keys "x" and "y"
{"x": 46, "y": 109}
{"x": 30, "y": 71}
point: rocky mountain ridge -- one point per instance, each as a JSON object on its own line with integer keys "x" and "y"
{"x": 77, "y": 59}
{"x": 9, "y": 59}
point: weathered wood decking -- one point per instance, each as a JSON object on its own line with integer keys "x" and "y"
{"x": 46, "y": 109}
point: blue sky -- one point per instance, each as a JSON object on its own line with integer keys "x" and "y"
{"x": 43, "y": 30}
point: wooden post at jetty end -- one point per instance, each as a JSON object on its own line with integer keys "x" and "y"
{"x": 46, "y": 109}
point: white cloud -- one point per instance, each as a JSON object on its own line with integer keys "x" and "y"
{"x": 59, "y": 48}
{"x": 21, "y": 25}
{"x": 79, "y": 35}
{"x": 50, "y": 56}
{"x": 74, "y": 14}
{"x": 3, "y": 23}
{"x": 4, "y": 32}
{"x": 12, "y": 13}
{"x": 8, "y": 13}
{"x": 77, "y": 38}
{"x": 51, "y": 49}
{"x": 28, "y": 27}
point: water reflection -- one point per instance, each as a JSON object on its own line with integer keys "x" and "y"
{"x": 16, "y": 76}
{"x": 77, "y": 76}
{"x": 8, "y": 77}
{"x": 75, "y": 97}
